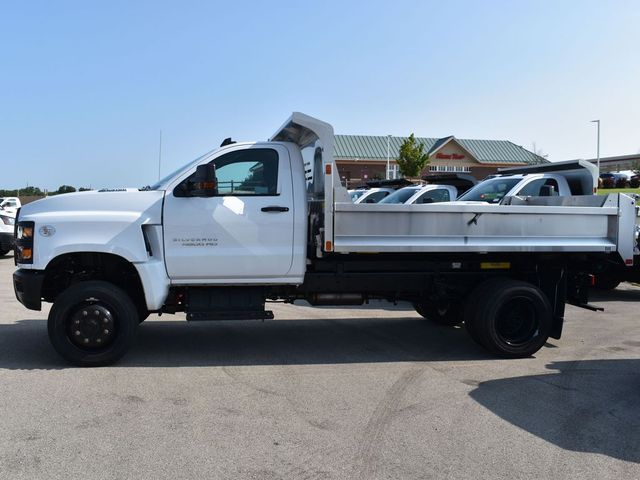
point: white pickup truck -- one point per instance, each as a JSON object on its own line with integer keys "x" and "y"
{"x": 10, "y": 204}
{"x": 563, "y": 179}
{"x": 254, "y": 222}
{"x": 7, "y": 222}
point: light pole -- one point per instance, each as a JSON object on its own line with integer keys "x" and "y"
{"x": 160, "y": 156}
{"x": 388, "y": 166}
{"x": 598, "y": 147}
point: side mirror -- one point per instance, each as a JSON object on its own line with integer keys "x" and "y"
{"x": 204, "y": 182}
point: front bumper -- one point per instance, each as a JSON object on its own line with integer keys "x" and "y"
{"x": 7, "y": 241}
{"x": 27, "y": 284}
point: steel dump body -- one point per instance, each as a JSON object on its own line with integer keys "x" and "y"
{"x": 484, "y": 228}
{"x": 585, "y": 223}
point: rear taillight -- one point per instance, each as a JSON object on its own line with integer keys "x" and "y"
{"x": 7, "y": 220}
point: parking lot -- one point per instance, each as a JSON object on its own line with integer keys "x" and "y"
{"x": 323, "y": 393}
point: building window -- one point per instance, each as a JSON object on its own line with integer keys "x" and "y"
{"x": 449, "y": 168}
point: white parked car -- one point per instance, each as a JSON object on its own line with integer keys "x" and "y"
{"x": 559, "y": 179}
{"x": 10, "y": 204}
{"x": 356, "y": 193}
{"x": 416, "y": 194}
{"x": 374, "y": 195}
{"x": 7, "y": 222}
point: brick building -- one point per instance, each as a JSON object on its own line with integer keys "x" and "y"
{"x": 363, "y": 157}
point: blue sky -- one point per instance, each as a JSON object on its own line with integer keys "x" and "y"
{"x": 85, "y": 87}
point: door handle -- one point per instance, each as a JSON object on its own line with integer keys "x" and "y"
{"x": 274, "y": 208}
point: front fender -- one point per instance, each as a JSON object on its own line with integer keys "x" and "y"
{"x": 89, "y": 232}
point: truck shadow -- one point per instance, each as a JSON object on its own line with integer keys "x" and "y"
{"x": 590, "y": 406}
{"x": 617, "y": 295}
{"x": 25, "y": 345}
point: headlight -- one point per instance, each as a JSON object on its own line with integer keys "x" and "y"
{"x": 25, "y": 231}
{"x": 24, "y": 242}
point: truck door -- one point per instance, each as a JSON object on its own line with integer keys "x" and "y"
{"x": 243, "y": 233}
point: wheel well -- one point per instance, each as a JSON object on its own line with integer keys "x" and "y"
{"x": 71, "y": 268}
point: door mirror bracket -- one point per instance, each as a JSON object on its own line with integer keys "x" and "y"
{"x": 204, "y": 182}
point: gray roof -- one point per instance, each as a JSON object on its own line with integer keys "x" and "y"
{"x": 370, "y": 147}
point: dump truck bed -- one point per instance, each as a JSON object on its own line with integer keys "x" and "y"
{"x": 582, "y": 223}
{"x": 540, "y": 224}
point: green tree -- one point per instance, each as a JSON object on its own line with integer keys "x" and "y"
{"x": 66, "y": 189}
{"x": 31, "y": 191}
{"x": 412, "y": 158}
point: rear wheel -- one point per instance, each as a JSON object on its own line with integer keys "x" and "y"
{"x": 510, "y": 318}
{"x": 444, "y": 312}
{"x": 92, "y": 323}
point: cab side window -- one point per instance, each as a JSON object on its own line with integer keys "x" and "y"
{"x": 251, "y": 172}
{"x": 435, "y": 196}
{"x": 376, "y": 197}
{"x": 532, "y": 189}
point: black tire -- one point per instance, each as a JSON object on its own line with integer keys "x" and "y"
{"x": 4, "y": 252}
{"x": 441, "y": 312}
{"x": 512, "y": 319}
{"x": 77, "y": 318}
{"x": 471, "y": 306}
{"x": 606, "y": 283}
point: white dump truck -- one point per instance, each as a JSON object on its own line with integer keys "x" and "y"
{"x": 250, "y": 223}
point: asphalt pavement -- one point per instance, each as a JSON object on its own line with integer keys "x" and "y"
{"x": 323, "y": 393}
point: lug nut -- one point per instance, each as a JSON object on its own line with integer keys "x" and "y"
{"x": 96, "y": 312}
{"x": 77, "y": 322}
{"x": 86, "y": 340}
{"x": 106, "y": 332}
{"x": 77, "y": 332}
{"x": 99, "y": 340}
{"x": 105, "y": 320}
{"x": 85, "y": 313}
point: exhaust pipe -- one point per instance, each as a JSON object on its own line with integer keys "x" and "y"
{"x": 335, "y": 299}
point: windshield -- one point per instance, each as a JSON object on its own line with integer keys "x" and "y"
{"x": 400, "y": 196}
{"x": 160, "y": 184}
{"x": 490, "y": 191}
{"x": 357, "y": 194}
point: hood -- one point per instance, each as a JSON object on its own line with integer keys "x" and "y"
{"x": 99, "y": 203}
{"x": 103, "y": 222}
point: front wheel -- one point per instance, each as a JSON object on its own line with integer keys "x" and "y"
{"x": 92, "y": 323}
